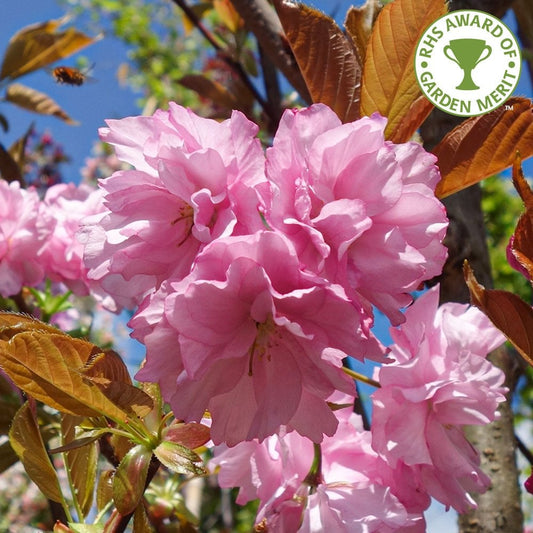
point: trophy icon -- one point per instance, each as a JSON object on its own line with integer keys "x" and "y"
{"x": 467, "y": 53}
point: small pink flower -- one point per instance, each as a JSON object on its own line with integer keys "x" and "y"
{"x": 360, "y": 210}
{"x": 260, "y": 342}
{"x": 23, "y": 232}
{"x": 193, "y": 182}
{"x": 439, "y": 383}
{"x": 68, "y": 204}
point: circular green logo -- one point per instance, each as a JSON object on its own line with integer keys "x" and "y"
{"x": 467, "y": 63}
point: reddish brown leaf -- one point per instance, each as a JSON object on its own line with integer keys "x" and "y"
{"x": 192, "y": 435}
{"x": 510, "y": 314}
{"x": 485, "y": 145}
{"x": 358, "y": 24}
{"x": 325, "y": 56}
{"x": 389, "y": 81}
{"x": 411, "y": 121}
{"x": 107, "y": 364}
{"x": 49, "y": 367}
{"x": 522, "y": 244}
{"x": 216, "y": 92}
{"x": 9, "y": 169}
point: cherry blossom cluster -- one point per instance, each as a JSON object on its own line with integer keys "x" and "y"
{"x": 262, "y": 268}
{"x": 253, "y": 275}
{"x": 38, "y": 237}
{"x": 382, "y": 480}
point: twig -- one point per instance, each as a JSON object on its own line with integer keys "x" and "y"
{"x": 234, "y": 65}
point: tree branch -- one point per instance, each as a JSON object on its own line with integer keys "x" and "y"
{"x": 262, "y": 20}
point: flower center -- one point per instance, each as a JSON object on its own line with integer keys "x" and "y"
{"x": 263, "y": 342}
{"x": 186, "y": 213}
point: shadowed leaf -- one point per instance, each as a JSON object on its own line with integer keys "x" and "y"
{"x": 130, "y": 478}
{"x": 18, "y": 149}
{"x": 35, "y": 101}
{"x": 38, "y": 45}
{"x": 104, "y": 489}
{"x": 8, "y": 457}
{"x": 483, "y": 146}
{"x": 107, "y": 364}
{"x": 4, "y": 123}
{"x": 217, "y": 93}
{"x": 125, "y": 396}
{"x": 81, "y": 462}
{"x": 9, "y": 170}
{"x": 389, "y": 82}
{"x": 509, "y": 313}
{"x": 26, "y": 440}
{"x": 327, "y": 59}
{"x": 522, "y": 243}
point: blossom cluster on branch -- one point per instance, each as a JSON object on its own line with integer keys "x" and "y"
{"x": 253, "y": 275}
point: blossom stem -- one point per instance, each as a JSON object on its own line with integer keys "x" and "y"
{"x": 361, "y": 377}
{"x": 314, "y": 477}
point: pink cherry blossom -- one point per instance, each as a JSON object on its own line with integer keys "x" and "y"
{"x": 193, "y": 182}
{"x": 257, "y": 341}
{"x": 347, "y": 496}
{"x": 68, "y": 204}
{"x": 360, "y": 210}
{"x": 439, "y": 383}
{"x": 23, "y": 232}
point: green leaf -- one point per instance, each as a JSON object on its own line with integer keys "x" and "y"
{"x": 26, "y": 440}
{"x": 81, "y": 462}
{"x": 179, "y": 458}
{"x": 130, "y": 478}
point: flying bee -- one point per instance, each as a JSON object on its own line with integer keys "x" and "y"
{"x": 69, "y": 75}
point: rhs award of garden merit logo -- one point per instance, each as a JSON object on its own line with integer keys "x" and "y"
{"x": 467, "y": 63}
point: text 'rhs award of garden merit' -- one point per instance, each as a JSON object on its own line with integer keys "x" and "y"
{"x": 467, "y": 63}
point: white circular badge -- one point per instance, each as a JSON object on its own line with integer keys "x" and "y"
{"x": 467, "y": 63}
